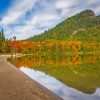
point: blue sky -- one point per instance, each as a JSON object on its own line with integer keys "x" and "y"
{"x": 25, "y": 18}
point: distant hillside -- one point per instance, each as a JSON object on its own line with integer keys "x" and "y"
{"x": 84, "y": 26}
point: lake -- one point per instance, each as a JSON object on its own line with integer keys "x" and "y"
{"x": 72, "y": 77}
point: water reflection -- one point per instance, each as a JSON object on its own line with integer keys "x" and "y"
{"x": 78, "y": 75}
{"x": 59, "y": 88}
{"x": 32, "y": 61}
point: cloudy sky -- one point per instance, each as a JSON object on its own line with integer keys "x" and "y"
{"x": 25, "y": 18}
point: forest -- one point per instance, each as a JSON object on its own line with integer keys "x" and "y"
{"x": 77, "y": 34}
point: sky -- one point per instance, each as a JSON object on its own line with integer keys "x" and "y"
{"x": 26, "y": 18}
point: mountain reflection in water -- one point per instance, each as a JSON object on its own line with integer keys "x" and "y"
{"x": 67, "y": 93}
{"x": 73, "y": 77}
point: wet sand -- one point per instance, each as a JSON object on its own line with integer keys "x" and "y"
{"x": 15, "y": 85}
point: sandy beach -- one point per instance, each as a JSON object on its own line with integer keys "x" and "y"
{"x": 15, "y": 85}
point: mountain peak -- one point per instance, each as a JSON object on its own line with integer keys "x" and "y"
{"x": 87, "y": 13}
{"x": 82, "y": 27}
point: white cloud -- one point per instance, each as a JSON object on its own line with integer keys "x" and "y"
{"x": 97, "y": 10}
{"x": 93, "y": 1}
{"x": 17, "y": 10}
{"x": 11, "y": 18}
{"x": 65, "y": 3}
{"x": 47, "y": 14}
{"x": 31, "y": 26}
{"x": 43, "y": 18}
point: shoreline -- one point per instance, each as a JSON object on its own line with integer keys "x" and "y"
{"x": 16, "y": 85}
{"x": 20, "y": 54}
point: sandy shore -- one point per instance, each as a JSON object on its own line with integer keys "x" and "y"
{"x": 15, "y": 85}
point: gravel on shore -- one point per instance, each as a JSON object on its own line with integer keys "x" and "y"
{"x": 15, "y": 85}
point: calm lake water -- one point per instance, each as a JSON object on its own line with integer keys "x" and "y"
{"x": 72, "y": 77}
